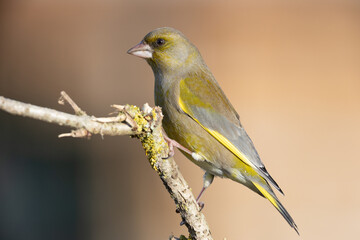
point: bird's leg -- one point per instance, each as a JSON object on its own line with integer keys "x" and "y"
{"x": 208, "y": 179}
{"x": 172, "y": 143}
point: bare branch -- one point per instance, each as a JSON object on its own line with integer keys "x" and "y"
{"x": 145, "y": 124}
{"x": 64, "y": 119}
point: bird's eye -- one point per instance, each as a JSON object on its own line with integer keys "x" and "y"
{"x": 160, "y": 42}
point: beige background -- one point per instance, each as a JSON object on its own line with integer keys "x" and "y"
{"x": 290, "y": 68}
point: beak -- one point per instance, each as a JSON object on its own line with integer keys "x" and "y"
{"x": 142, "y": 50}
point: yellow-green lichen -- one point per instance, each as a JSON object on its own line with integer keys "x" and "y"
{"x": 148, "y": 143}
{"x": 182, "y": 237}
{"x": 146, "y": 125}
{"x": 140, "y": 120}
{"x": 184, "y": 206}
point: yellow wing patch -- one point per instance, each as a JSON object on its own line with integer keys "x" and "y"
{"x": 223, "y": 140}
{"x": 266, "y": 194}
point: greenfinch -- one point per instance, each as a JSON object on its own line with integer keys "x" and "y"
{"x": 199, "y": 118}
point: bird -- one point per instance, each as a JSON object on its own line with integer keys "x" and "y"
{"x": 198, "y": 117}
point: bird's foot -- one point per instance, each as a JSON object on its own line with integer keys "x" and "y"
{"x": 172, "y": 143}
{"x": 171, "y": 147}
{"x": 201, "y": 205}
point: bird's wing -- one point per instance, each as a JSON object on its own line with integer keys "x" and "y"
{"x": 218, "y": 117}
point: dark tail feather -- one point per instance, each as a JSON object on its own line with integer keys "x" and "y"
{"x": 268, "y": 193}
{"x": 270, "y": 179}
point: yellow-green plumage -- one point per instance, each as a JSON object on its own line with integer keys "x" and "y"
{"x": 198, "y": 115}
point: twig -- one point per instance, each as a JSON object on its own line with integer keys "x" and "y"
{"x": 65, "y": 97}
{"x": 145, "y": 125}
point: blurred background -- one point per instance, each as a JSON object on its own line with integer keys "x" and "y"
{"x": 290, "y": 68}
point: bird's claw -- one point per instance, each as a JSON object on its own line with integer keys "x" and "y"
{"x": 171, "y": 151}
{"x": 201, "y": 205}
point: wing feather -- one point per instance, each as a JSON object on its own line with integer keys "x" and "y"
{"x": 218, "y": 117}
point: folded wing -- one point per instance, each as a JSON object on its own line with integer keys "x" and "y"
{"x": 218, "y": 117}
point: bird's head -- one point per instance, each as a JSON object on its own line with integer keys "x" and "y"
{"x": 166, "y": 49}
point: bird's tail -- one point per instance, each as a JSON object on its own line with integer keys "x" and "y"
{"x": 270, "y": 195}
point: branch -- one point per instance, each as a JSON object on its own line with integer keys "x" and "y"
{"x": 144, "y": 124}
